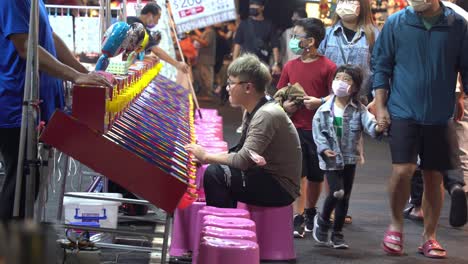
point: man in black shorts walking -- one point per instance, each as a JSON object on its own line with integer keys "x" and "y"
{"x": 415, "y": 62}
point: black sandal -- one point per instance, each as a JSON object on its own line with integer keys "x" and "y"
{"x": 407, "y": 214}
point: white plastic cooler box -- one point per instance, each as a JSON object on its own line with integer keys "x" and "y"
{"x": 90, "y": 210}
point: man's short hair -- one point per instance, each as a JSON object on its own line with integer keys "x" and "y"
{"x": 301, "y": 12}
{"x": 151, "y": 7}
{"x": 257, "y": 2}
{"x": 314, "y": 28}
{"x": 248, "y": 68}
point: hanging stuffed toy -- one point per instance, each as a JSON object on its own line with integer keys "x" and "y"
{"x": 113, "y": 43}
{"x": 323, "y": 9}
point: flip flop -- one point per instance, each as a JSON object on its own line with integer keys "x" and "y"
{"x": 407, "y": 214}
{"x": 428, "y": 248}
{"x": 393, "y": 238}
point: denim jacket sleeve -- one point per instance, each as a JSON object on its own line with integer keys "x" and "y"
{"x": 368, "y": 122}
{"x": 320, "y": 139}
{"x": 383, "y": 57}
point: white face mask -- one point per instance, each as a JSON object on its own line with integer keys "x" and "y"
{"x": 419, "y": 5}
{"x": 340, "y": 88}
{"x": 347, "y": 10}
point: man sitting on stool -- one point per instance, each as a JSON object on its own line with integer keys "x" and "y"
{"x": 242, "y": 175}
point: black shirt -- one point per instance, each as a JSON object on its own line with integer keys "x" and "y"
{"x": 349, "y": 34}
{"x": 151, "y": 41}
{"x": 258, "y": 37}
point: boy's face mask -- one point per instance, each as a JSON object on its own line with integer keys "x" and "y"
{"x": 295, "y": 46}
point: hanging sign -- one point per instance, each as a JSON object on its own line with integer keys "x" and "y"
{"x": 193, "y": 14}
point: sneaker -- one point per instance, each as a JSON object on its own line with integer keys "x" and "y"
{"x": 458, "y": 208}
{"x": 320, "y": 230}
{"x": 298, "y": 221}
{"x": 337, "y": 241}
{"x": 309, "y": 218}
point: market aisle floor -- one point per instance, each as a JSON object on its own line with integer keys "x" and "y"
{"x": 369, "y": 208}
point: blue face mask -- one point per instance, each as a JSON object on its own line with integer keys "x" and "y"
{"x": 295, "y": 46}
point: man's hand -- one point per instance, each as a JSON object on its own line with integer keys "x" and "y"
{"x": 198, "y": 152}
{"x": 312, "y": 103}
{"x": 329, "y": 153}
{"x": 290, "y": 107}
{"x": 276, "y": 70}
{"x": 92, "y": 78}
{"x": 383, "y": 117}
{"x": 183, "y": 67}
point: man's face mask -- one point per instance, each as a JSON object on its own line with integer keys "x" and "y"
{"x": 254, "y": 11}
{"x": 419, "y": 5}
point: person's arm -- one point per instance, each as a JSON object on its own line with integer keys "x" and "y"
{"x": 165, "y": 57}
{"x": 369, "y": 123}
{"x": 236, "y": 51}
{"x": 65, "y": 56}
{"x": 320, "y": 140}
{"x": 204, "y": 42}
{"x": 463, "y": 61}
{"x": 50, "y": 65}
{"x": 383, "y": 61}
{"x": 239, "y": 39}
{"x": 262, "y": 128}
{"x": 275, "y": 44}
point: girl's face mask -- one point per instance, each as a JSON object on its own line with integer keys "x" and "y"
{"x": 341, "y": 88}
{"x": 348, "y": 11}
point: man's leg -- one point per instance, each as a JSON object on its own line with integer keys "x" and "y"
{"x": 462, "y": 136}
{"x": 315, "y": 177}
{"x": 217, "y": 182}
{"x": 9, "y": 146}
{"x": 404, "y": 147}
{"x": 399, "y": 192}
{"x": 433, "y": 198}
{"x": 414, "y": 211}
{"x": 453, "y": 183}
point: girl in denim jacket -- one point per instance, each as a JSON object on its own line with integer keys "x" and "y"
{"x": 337, "y": 128}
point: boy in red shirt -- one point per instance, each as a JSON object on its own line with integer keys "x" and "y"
{"x": 315, "y": 74}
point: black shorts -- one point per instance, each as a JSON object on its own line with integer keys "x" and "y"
{"x": 310, "y": 162}
{"x": 436, "y": 145}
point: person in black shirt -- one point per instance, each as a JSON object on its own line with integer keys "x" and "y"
{"x": 257, "y": 35}
{"x": 149, "y": 17}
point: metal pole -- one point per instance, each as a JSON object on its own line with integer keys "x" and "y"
{"x": 28, "y": 135}
{"x": 62, "y": 189}
{"x": 124, "y": 10}
{"x": 108, "y": 14}
{"x": 167, "y": 229}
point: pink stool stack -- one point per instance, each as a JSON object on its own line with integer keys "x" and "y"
{"x": 228, "y": 251}
{"x": 274, "y": 232}
{"x": 182, "y": 232}
{"x": 212, "y": 231}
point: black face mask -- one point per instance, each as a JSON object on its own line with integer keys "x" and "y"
{"x": 253, "y": 12}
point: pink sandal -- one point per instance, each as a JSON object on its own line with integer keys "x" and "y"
{"x": 393, "y": 238}
{"x": 432, "y": 245}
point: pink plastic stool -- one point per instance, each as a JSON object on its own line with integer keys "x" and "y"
{"x": 218, "y": 213}
{"x": 229, "y": 222}
{"x": 274, "y": 232}
{"x": 182, "y": 233}
{"x": 213, "y": 231}
{"x": 228, "y": 251}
